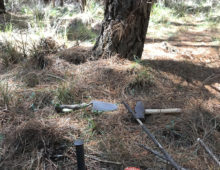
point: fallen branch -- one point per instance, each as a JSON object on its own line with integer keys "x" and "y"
{"x": 157, "y": 111}
{"x": 145, "y": 129}
{"x": 154, "y": 152}
{"x": 208, "y": 151}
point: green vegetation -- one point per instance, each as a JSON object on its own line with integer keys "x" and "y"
{"x": 65, "y": 93}
{"x": 165, "y": 20}
{"x": 142, "y": 80}
{"x": 77, "y": 30}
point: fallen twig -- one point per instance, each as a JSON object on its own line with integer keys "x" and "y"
{"x": 210, "y": 78}
{"x": 145, "y": 129}
{"x": 101, "y": 160}
{"x": 208, "y": 151}
{"x": 154, "y": 152}
{"x": 56, "y": 77}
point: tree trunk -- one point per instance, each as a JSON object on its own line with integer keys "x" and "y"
{"x": 2, "y": 7}
{"x": 82, "y": 4}
{"x": 61, "y": 3}
{"x": 49, "y": 1}
{"x": 124, "y": 29}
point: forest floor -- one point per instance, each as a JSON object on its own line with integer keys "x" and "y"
{"x": 177, "y": 70}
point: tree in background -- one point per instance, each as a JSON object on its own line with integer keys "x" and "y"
{"x": 2, "y": 7}
{"x": 49, "y": 1}
{"x": 82, "y": 5}
{"x": 54, "y": 2}
{"x": 61, "y": 2}
{"x": 124, "y": 28}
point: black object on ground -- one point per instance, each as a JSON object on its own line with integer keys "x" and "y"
{"x": 80, "y": 154}
{"x": 139, "y": 110}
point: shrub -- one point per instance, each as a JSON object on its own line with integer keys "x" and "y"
{"x": 10, "y": 54}
{"x": 65, "y": 94}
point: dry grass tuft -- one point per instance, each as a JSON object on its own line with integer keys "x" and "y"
{"x": 65, "y": 93}
{"x": 142, "y": 81}
{"x": 41, "y": 99}
{"x": 5, "y": 95}
{"x": 76, "y": 55}
{"x": 31, "y": 79}
{"x": 9, "y": 54}
{"x": 34, "y": 145}
{"x": 40, "y": 51}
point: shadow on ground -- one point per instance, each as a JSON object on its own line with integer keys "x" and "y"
{"x": 184, "y": 69}
{"x": 9, "y": 21}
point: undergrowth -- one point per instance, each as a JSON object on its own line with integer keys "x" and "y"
{"x": 65, "y": 93}
{"x": 10, "y": 53}
{"x": 5, "y": 95}
{"x": 164, "y": 17}
{"x": 47, "y": 142}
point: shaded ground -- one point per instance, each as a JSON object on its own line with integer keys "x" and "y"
{"x": 10, "y": 21}
{"x": 180, "y": 71}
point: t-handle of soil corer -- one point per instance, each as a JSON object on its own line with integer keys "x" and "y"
{"x": 140, "y": 111}
{"x": 145, "y": 129}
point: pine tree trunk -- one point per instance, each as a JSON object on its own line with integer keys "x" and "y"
{"x": 82, "y": 4}
{"x": 2, "y": 7}
{"x": 61, "y": 3}
{"x": 124, "y": 29}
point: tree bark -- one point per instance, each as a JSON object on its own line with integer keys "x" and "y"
{"x": 124, "y": 29}
{"x": 82, "y": 4}
{"x": 61, "y": 3}
{"x": 2, "y": 7}
{"x": 49, "y": 1}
